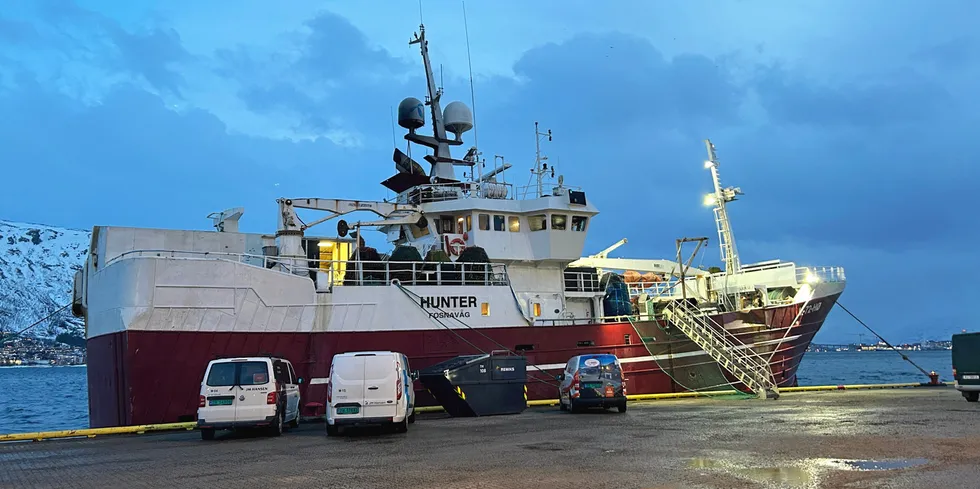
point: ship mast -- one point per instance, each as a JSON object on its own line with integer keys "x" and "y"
{"x": 540, "y": 167}
{"x": 721, "y": 196}
{"x": 442, "y": 166}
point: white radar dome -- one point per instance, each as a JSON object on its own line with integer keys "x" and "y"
{"x": 411, "y": 113}
{"x": 458, "y": 118}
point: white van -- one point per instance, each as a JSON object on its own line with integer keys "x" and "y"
{"x": 370, "y": 388}
{"x": 249, "y": 392}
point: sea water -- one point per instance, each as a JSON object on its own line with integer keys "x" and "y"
{"x": 56, "y": 398}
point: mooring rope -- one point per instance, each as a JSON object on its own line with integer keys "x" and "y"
{"x": 904, "y": 356}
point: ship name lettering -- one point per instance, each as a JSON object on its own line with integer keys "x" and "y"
{"x": 812, "y": 307}
{"x": 451, "y": 302}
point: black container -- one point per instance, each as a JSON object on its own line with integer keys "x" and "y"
{"x": 479, "y": 385}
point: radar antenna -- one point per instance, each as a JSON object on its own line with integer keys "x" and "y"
{"x": 457, "y": 118}
{"x": 718, "y": 199}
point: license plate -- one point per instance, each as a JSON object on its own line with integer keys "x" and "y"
{"x": 592, "y": 385}
{"x": 971, "y": 377}
{"x": 349, "y": 410}
{"x": 219, "y": 402}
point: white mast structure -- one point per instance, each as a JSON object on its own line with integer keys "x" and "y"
{"x": 457, "y": 119}
{"x": 720, "y": 197}
{"x": 540, "y": 167}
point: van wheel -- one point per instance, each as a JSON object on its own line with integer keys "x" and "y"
{"x": 295, "y": 422}
{"x": 207, "y": 434}
{"x": 571, "y": 406}
{"x": 622, "y": 407}
{"x": 277, "y": 424}
{"x": 972, "y": 396}
{"x": 332, "y": 430}
{"x": 561, "y": 405}
{"x": 402, "y": 427}
{"x": 411, "y": 418}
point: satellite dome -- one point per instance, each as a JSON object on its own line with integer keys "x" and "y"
{"x": 411, "y": 115}
{"x": 458, "y": 118}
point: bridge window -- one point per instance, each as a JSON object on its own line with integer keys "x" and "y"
{"x": 579, "y": 222}
{"x": 515, "y": 224}
{"x": 537, "y": 223}
{"x": 446, "y": 224}
{"x": 469, "y": 222}
{"x": 459, "y": 225}
{"x": 558, "y": 222}
{"x": 484, "y": 222}
{"x": 498, "y": 222}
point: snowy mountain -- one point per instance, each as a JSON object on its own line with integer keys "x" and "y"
{"x": 37, "y": 270}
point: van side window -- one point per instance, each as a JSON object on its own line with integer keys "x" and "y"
{"x": 570, "y": 367}
{"x": 292, "y": 373}
{"x": 282, "y": 375}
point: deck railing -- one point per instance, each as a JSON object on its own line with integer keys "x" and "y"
{"x": 327, "y": 274}
{"x": 819, "y": 274}
{"x": 463, "y": 190}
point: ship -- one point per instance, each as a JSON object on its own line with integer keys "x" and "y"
{"x": 477, "y": 265}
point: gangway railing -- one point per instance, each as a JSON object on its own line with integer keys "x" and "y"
{"x": 725, "y": 348}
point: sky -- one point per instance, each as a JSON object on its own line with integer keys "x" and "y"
{"x": 849, "y": 126}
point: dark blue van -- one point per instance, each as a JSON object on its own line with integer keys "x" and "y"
{"x": 594, "y": 380}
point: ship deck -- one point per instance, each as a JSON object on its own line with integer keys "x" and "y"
{"x": 705, "y": 443}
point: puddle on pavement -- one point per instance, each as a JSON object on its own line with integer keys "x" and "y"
{"x": 802, "y": 473}
{"x": 788, "y": 475}
{"x": 878, "y": 464}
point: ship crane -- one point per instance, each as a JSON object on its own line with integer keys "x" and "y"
{"x": 720, "y": 197}
{"x": 291, "y": 227}
{"x": 601, "y": 261}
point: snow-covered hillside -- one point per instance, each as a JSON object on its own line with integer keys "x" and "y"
{"x": 37, "y": 270}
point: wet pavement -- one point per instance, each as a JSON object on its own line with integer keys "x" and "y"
{"x": 915, "y": 438}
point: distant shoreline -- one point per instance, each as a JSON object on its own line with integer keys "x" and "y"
{"x": 42, "y": 365}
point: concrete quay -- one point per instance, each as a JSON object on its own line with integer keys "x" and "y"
{"x": 899, "y": 438}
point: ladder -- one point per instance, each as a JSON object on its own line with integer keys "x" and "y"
{"x": 736, "y": 357}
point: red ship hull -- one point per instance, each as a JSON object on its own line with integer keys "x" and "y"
{"x": 148, "y": 377}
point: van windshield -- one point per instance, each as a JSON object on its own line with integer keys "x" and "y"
{"x": 603, "y": 366}
{"x": 248, "y": 373}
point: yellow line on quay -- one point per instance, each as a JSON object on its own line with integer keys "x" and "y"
{"x": 688, "y": 395}
{"x": 139, "y": 429}
{"x": 93, "y": 432}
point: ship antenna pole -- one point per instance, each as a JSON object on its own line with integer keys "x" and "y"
{"x": 720, "y": 197}
{"x": 439, "y": 143}
{"x": 540, "y": 167}
{"x": 469, "y": 61}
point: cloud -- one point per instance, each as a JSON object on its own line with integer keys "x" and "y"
{"x": 90, "y": 45}
{"x": 15, "y": 32}
{"x": 115, "y": 122}
{"x": 904, "y": 98}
